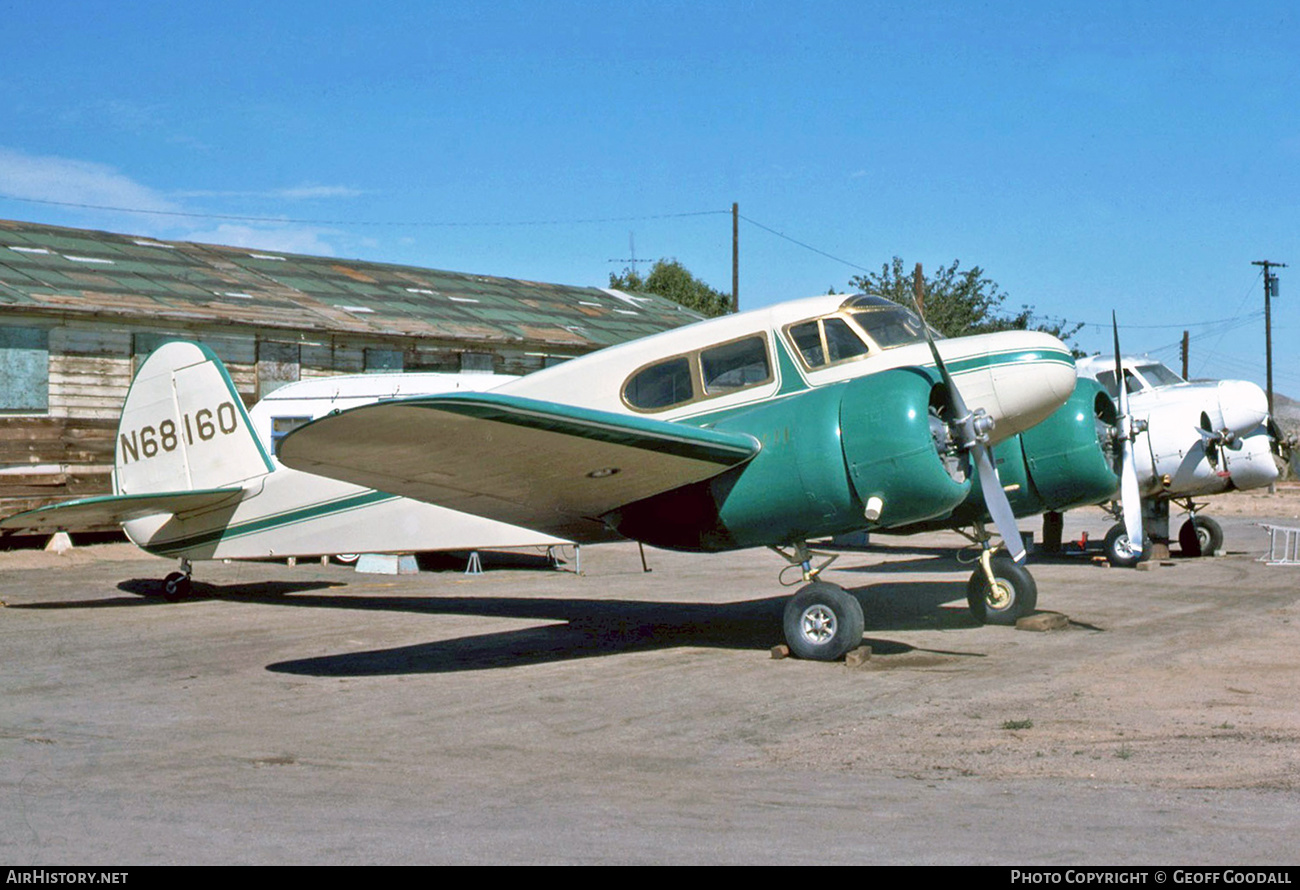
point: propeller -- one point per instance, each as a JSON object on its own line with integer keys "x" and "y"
{"x": 973, "y": 428}
{"x": 1130, "y": 497}
{"x": 1215, "y": 441}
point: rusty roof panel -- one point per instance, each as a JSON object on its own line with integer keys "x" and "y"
{"x": 74, "y": 270}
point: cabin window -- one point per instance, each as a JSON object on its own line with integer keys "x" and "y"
{"x": 283, "y": 426}
{"x": 807, "y": 339}
{"x": 660, "y": 385}
{"x": 735, "y": 365}
{"x": 841, "y": 342}
{"x": 24, "y": 370}
{"x": 826, "y": 341}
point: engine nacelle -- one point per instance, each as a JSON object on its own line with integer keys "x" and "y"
{"x": 1059, "y": 464}
{"x": 827, "y": 454}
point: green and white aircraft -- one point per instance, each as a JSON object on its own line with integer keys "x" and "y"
{"x": 772, "y": 427}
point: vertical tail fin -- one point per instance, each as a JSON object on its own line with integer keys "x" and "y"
{"x": 184, "y": 426}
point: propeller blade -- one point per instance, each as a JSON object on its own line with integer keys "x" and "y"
{"x": 1130, "y": 496}
{"x": 995, "y": 497}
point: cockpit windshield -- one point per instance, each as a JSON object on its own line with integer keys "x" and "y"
{"x": 886, "y": 322}
{"x": 1157, "y": 374}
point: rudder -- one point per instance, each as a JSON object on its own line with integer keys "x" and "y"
{"x": 184, "y": 426}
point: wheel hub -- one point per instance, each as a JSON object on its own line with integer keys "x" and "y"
{"x": 1000, "y": 595}
{"x": 817, "y": 624}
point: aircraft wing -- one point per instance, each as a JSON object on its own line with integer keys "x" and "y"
{"x": 110, "y": 509}
{"x": 541, "y": 465}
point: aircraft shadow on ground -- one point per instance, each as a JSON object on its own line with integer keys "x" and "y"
{"x": 588, "y": 628}
{"x": 149, "y": 592}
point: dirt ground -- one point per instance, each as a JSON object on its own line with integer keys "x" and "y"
{"x": 310, "y": 714}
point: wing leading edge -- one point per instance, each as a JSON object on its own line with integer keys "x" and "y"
{"x": 541, "y": 465}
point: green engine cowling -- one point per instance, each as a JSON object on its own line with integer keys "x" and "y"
{"x": 826, "y": 452}
{"x": 1057, "y": 465}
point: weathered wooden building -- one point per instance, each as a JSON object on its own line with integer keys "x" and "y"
{"x": 80, "y": 309}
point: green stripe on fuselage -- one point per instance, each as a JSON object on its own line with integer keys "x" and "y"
{"x": 955, "y": 366}
{"x": 272, "y": 521}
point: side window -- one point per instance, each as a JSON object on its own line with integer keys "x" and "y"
{"x": 661, "y": 385}
{"x": 807, "y": 339}
{"x": 735, "y": 365}
{"x": 841, "y": 342}
{"x": 283, "y": 426}
{"x": 24, "y": 370}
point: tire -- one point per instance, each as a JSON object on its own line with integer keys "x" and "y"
{"x": 1118, "y": 550}
{"x": 1201, "y": 536}
{"x": 176, "y": 586}
{"x": 1014, "y": 597}
{"x": 823, "y": 622}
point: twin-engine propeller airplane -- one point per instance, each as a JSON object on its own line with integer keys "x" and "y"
{"x": 768, "y": 428}
{"x": 1182, "y": 441}
{"x": 194, "y": 480}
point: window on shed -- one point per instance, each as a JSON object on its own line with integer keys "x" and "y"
{"x": 379, "y": 361}
{"x": 735, "y": 365}
{"x": 24, "y": 370}
{"x": 277, "y": 364}
{"x": 477, "y": 362}
{"x": 660, "y": 385}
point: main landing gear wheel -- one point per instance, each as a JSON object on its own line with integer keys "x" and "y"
{"x": 1013, "y": 595}
{"x": 823, "y": 622}
{"x": 1200, "y": 536}
{"x": 1118, "y": 549}
{"x": 176, "y": 586}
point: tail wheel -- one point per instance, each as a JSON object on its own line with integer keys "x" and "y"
{"x": 823, "y": 622}
{"x": 1013, "y": 594}
{"x": 176, "y": 586}
{"x": 1200, "y": 536}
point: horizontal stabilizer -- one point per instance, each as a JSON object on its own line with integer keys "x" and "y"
{"x": 118, "y": 509}
{"x": 541, "y": 465}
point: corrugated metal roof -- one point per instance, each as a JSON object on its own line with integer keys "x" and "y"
{"x": 70, "y": 271}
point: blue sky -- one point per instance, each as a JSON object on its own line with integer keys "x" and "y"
{"x": 1088, "y": 156}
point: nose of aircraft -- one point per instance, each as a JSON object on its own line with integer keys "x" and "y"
{"x": 1032, "y": 374}
{"x": 1242, "y": 405}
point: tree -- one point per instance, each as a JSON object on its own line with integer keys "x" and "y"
{"x": 670, "y": 279}
{"x": 958, "y": 303}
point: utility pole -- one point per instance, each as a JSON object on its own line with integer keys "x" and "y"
{"x": 1270, "y": 291}
{"x": 735, "y": 257}
{"x": 1184, "y": 355}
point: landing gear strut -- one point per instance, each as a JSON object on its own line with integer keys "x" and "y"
{"x": 823, "y": 621}
{"x": 1000, "y": 591}
{"x": 1200, "y": 535}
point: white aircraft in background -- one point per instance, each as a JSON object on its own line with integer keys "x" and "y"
{"x": 1187, "y": 440}
{"x": 194, "y": 480}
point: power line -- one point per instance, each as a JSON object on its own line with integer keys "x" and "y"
{"x": 354, "y": 222}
